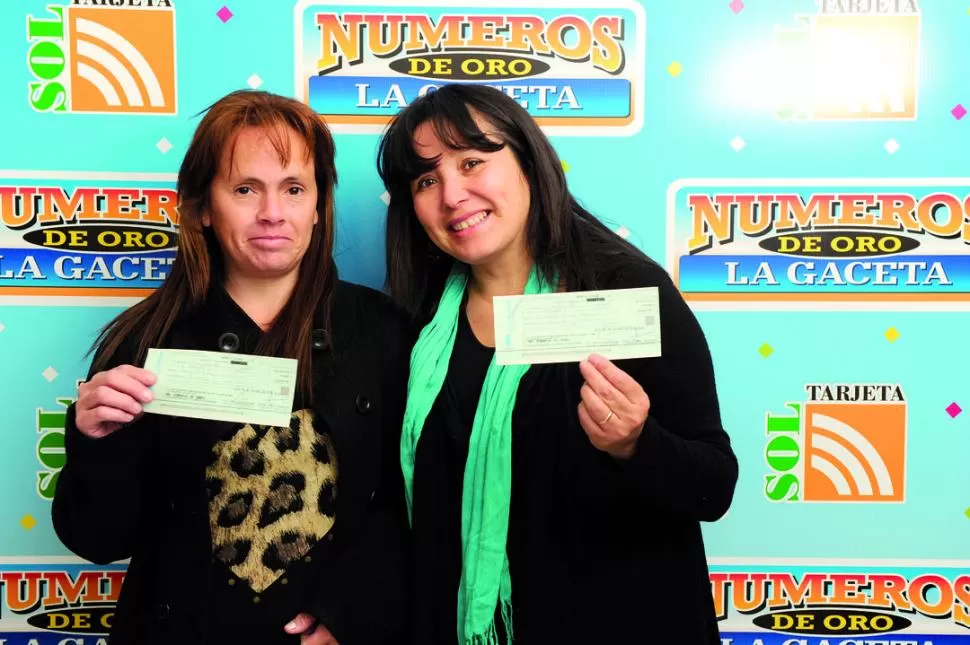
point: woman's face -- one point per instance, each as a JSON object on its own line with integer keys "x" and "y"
{"x": 261, "y": 211}
{"x": 473, "y": 205}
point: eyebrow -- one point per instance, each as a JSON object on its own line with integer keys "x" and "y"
{"x": 256, "y": 180}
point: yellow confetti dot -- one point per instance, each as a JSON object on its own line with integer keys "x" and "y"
{"x": 674, "y": 69}
{"x": 967, "y": 512}
{"x": 766, "y": 350}
{"x": 565, "y": 166}
{"x": 28, "y": 522}
{"x": 892, "y": 334}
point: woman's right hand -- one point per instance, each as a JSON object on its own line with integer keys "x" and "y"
{"x": 112, "y": 399}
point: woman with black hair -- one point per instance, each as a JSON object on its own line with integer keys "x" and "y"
{"x": 556, "y": 503}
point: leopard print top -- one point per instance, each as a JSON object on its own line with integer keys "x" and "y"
{"x": 272, "y": 495}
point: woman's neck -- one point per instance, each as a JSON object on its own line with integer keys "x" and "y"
{"x": 261, "y": 299}
{"x": 505, "y": 277}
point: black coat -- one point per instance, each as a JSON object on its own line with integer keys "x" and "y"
{"x": 140, "y": 493}
{"x": 601, "y": 550}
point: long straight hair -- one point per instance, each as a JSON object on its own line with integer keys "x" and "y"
{"x": 198, "y": 265}
{"x": 561, "y": 235}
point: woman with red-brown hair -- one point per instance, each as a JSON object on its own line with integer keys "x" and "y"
{"x": 243, "y": 533}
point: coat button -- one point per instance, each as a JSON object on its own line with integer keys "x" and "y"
{"x": 228, "y": 342}
{"x": 163, "y": 611}
{"x": 319, "y": 338}
{"x": 362, "y": 403}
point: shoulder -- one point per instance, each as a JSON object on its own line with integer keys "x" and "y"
{"x": 365, "y": 311}
{"x": 621, "y": 269}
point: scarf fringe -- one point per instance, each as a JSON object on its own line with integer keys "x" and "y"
{"x": 490, "y": 637}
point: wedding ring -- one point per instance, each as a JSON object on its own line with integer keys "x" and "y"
{"x": 608, "y": 417}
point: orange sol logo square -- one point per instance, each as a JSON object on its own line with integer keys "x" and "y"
{"x": 103, "y": 60}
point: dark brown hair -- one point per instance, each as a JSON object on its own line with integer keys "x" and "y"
{"x": 561, "y": 235}
{"x": 198, "y": 266}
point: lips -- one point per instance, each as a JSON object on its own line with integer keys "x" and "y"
{"x": 470, "y": 221}
{"x": 269, "y": 241}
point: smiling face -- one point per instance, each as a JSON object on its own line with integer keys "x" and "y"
{"x": 262, "y": 210}
{"x": 473, "y": 205}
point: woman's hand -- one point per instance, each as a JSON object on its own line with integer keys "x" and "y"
{"x": 613, "y": 408}
{"x": 112, "y": 399}
{"x": 311, "y": 632}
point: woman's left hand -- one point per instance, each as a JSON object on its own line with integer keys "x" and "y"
{"x": 613, "y": 408}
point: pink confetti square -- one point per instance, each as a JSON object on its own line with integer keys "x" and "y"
{"x": 958, "y": 112}
{"x": 224, "y": 14}
{"x": 953, "y": 410}
{"x": 736, "y": 6}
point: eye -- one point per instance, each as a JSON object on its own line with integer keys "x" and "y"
{"x": 468, "y": 164}
{"x": 296, "y": 190}
{"x": 423, "y": 183}
{"x": 244, "y": 190}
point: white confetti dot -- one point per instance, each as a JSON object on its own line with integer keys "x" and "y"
{"x": 386, "y": 198}
{"x": 623, "y": 232}
{"x": 163, "y": 145}
{"x": 737, "y": 143}
{"x": 254, "y": 81}
{"x": 2, "y": 327}
{"x": 891, "y": 146}
{"x": 50, "y": 374}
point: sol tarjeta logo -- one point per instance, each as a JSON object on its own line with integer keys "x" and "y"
{"x": 844, "y": 443}
{"x": 853, "y": 59}
{"x": 103, "y": 56}
{"x": 574, "y": 65}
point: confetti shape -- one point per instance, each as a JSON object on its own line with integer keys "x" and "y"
{"x": 736, "y": 6}
{"x": 565, "y": 165}
{"x": 2, "y": 327}
{"x": 163, "y": 145}
{"x": 254, "y": 81}
{"x": 953, "y": 410}
{"x": 967, "y": 513}
{"x": 958, "y": 112}
{"x": 737, "y": 143}
{"x": 28, "y": 522}
{"x": 674, "y": 69}
{"x": 892, "y": 334}
{"x": 224, "y": 14}
{"x": 50, "y": 374}
{"x": 386, "y": 198}
{"x": 891, "y": 146}
{"x": 766, "y": 350}
{"x": 623, "y": 232}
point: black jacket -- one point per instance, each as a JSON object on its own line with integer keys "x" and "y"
{"x": 140, "y": 493}
{"x": 600, "y": 550}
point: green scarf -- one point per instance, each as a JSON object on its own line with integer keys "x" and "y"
{"x": 487, "y": 485}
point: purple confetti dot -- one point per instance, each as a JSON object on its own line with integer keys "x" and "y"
{"x": 958, "y": 112}
{"x": 736, "y": 6}
{"x": 224, "y": 14}
{"x": 953, "y": 410}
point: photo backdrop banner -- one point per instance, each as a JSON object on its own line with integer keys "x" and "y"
{"x": 798, "y": 166}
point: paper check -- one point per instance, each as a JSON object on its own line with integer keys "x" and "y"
{"x": 222, "y": 386}
{"x": 568, "y": 327}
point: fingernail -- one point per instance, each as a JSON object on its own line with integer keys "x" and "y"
{"x": 291, "y": 625}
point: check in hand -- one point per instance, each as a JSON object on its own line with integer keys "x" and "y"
{"x": 112, "y": 399}
{"x": 311, "y": 632}
{"x": 613, "y": 407}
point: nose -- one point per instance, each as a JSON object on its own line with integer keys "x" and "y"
{"x": 271, "y": 208}
{"x": 454, "y": 191}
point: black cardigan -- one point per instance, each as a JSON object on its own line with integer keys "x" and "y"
{"x": 140, "y": 492}
{"x": 600, "y": 550}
